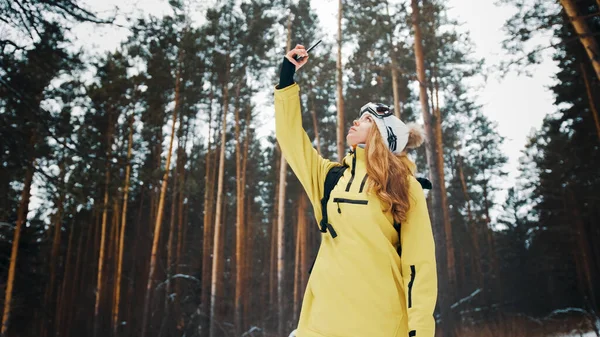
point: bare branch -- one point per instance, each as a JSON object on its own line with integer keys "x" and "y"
{"x": 505, "y": 67}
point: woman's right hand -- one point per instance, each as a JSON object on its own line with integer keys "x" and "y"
{"x": 301, "y": 52}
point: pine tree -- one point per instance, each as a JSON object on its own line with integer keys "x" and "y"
{"x": 23, "y": 86}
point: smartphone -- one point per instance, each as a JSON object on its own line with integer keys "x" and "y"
{"x": 308, "y": 51}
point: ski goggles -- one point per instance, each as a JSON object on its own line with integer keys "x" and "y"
{"x": 377, "y": 109}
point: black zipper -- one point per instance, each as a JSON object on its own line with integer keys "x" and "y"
{"x": 413, "y": 274}
{"x": 353, "y": 169}
{"x": 349, "y": 201}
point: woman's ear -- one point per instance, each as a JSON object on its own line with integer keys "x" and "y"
{"x": 416, "y": 135}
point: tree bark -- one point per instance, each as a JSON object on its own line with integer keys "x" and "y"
{"x": 111, "y": 262}
{"x": 68, "y": 278}
{"x": 585, "y": 255}
{"x": 393, "y": 57}
{"x": 298, "y": 268}
{"x": 207, "y": 226}
{"x": 340, "y": 89}
{"x": 239, "y": 237}
{"x": 161, "y": 202}
{"x": 443, "y": 194}
{"x": 21, "y": 218}
{"x": 122, "y": 235}
{"x": 585, "y": 35}
{"x": 248, "y": 270}
{"x": 471, "y": 222}
{"x": 218, "y": 207}
{"x": 273, "y": 239}
{"x": 166, "y": 310}
{"x": 313, "y": 113}
{"x": 280, "y": 241}
{"x": 47, "y": 323}
{"x": 247, "y": 248}
{"x": 591, "y": 97}
{"x": 181, "y": 233}
{"x": 102, "y": 240}
{"x": 438, "y": 209}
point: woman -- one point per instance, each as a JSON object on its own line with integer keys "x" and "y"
{"x": 360, "y": 286}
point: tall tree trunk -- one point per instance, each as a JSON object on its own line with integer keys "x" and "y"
{"x": 239, "y": 222}
{"x": 472, "y": 229}
{"x": 313, "y": 113}
{"x": 437, "y": 120}
{"x": 394, "y": 65}
{"x": 273, "y": 237}
{"x": 298, "y": 268}
{"x": 436, "y": 168}
{"x": 591, "y": 97}
{"x": 115, "y": 321}
{"x": 21, "y": 218}
{"x": 102, "y": 241}
{"x": 248, "y": 271}
{"x": 585, "y": 255}
{"x": 180, "y": 227}
{"x": 47, "y": 322}
{"x": 113, "y": 255}
{"x": 247, "y": 248}
{"x": 280, "y": 242}
{"x": 91, "y": 260}
{"x": 173, "y": 229}
{"x": 340, "y": 89}
{"x": 273, "y": 248}
{"x": 585, "y": 35}
{"x": 166, "y": 313}
{"x": 63, "y": 297}
{"x": 79, "y": 274}
{"x": 218, "y": 207}
{"x": 304, "y": 253}
{"x": 161, "y": 202}
{"x": 137, "y": 270}
{"x": 207, "y": 226}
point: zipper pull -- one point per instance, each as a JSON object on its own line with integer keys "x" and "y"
{"x": 339, "y": 210}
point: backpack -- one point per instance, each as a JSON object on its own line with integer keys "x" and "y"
{"x": 334, "y": 174}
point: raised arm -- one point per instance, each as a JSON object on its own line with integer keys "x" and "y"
{"x": 307, "y": 164}
{"x": 419, "y": 265}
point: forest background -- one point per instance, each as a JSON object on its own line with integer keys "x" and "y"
{"x": 142, "y": 192}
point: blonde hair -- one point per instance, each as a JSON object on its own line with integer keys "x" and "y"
{"x": 389, "y": 173}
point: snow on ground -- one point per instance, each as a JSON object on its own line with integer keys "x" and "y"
{"x": 577, "y": 334}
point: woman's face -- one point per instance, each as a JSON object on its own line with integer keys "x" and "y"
{"x": 360, "y": 130}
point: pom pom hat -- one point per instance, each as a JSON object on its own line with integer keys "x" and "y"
{"x": 394, "y": 132}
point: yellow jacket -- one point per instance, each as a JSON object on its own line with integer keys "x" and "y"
{"x": 359, "y": 286}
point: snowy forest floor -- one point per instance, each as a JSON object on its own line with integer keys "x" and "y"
{"x": 523, "y": 326}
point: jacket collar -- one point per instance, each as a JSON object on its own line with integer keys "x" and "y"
{"x": 361, "y": 159}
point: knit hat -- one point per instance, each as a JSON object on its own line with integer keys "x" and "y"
{"x": 394, "y": 132}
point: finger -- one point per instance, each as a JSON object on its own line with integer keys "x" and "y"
{"x": 291, "y": 59}
{"x": 300, "y": 46}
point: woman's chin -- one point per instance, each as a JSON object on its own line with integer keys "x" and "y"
{"x": 350, "y": 142}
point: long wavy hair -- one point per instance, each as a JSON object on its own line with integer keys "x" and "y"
{"x": 389, "y": 173}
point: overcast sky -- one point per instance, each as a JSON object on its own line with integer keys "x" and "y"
{"x": 516, "y": 102}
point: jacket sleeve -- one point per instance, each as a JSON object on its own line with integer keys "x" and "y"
{"x": 307, "y": 164}
{"x": 419, "y": 272}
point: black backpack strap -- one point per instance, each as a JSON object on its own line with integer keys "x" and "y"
{"x": 426, "y": 185}
{"x": 333, "y": 176}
